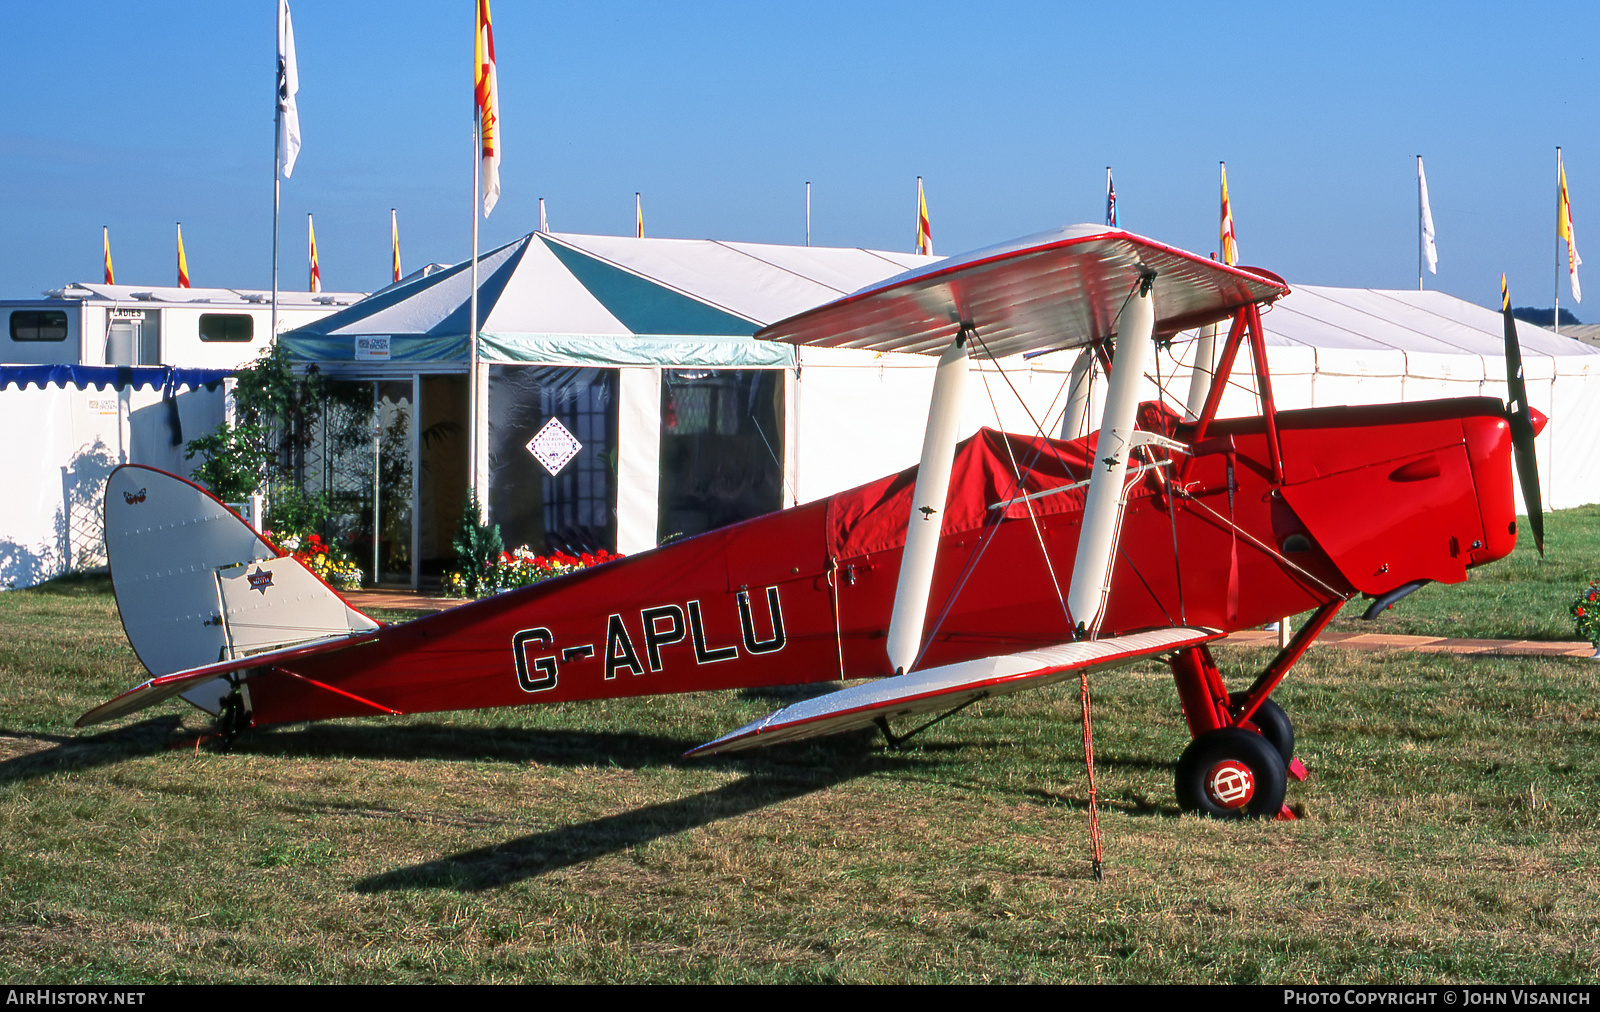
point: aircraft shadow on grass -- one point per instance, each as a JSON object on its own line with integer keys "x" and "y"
{"x": 771, "y": 777}
{"x": 79, "y": 752}
{"x": 560, "y": 747}
{"x": 540, "y": 853}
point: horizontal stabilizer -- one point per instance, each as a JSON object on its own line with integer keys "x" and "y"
{"x": 195, "y": 584}
{"x": 166, "y": 686}
{"x": 951, "y": 686}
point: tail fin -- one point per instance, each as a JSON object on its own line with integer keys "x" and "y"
{"x": 197, "y": 585}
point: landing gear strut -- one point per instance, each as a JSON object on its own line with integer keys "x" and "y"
{"x": 1272, "y": 722}
{"x": 233, "y": 718}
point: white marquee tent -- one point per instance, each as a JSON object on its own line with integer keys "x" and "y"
{"x": 1331, "y": 346}
{"x": 641, "y": 306}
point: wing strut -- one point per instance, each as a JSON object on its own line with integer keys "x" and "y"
{"x": 1102, "y": 511}
{"x": 897, "y": 740}
{"x": 927, "y": 505}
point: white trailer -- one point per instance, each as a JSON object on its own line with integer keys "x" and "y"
{"x": 195, "y": 328}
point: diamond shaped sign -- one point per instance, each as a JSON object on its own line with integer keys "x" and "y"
{"x": 553, "y": 446}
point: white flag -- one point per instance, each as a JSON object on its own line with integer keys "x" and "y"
{"x": 288, "y": 86}
{"x": 1429, "y": 250}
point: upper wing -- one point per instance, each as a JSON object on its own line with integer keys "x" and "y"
{"x": 952, "y": 685}
{"x": 1053, "y": 290}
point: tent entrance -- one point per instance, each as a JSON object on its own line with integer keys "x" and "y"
{"x": 721, "y": 448}
{"x": 389, "y": 456}
{"x": 552, "y": 440}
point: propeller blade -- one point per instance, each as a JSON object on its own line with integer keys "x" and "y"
{"x": 1520, "y": 415}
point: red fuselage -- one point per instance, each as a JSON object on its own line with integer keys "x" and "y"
{"x": 1371, "y": 498}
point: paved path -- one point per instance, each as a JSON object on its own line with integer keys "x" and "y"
{"x": 1427, "y": 644}
{"x": 405, "y": 600}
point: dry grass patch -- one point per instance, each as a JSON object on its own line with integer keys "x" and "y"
{"x": 1449, "y": 834}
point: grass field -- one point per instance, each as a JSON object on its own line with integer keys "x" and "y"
{"x": 1449, "y": 830}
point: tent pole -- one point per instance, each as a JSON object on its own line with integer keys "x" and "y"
{"x": 377, "y": 484}
{"x": 416, "y": 479}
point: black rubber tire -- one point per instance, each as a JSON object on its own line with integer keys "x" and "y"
{"x": 1251, "y": 750}
{"x": 1273, "y": 724}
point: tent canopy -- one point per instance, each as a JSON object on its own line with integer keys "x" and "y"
{"x": 1404, "y": 320}
{"x": 565, "y": 299}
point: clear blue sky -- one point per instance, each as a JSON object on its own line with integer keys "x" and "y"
{"x": 138, "y": 115}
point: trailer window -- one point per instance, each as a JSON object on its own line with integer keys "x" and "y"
{"x": 38, "y": 325}
{"x": 227, "y": 327}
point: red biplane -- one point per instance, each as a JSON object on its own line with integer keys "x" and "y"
{"x": 1004, "y": 562}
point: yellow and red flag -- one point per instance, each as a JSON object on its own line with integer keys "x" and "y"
{"x": 105, "y": 231}
{"x": 311, "y": 243}
{"x": 1230, "y": 244}
{"x": 487, "y": 88}
{"x": 183, "y": 261}
{"x": 394, "y": 234}
{"x": 1564, "y": 228}
{"x": 638, "y": 216}
{"x": 924, "y": 229}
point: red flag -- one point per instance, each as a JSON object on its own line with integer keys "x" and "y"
{"x": 1230, "y": 244}
{"x": 183, "y": 261}
{"x": 487, "y": 87}
{"x": 316, "y": 269}
{"x": 924, "y": 229}
{"x": 1564, "y": 228}
{"x": 394, "y": 233}
{"x": 106, "y": 234}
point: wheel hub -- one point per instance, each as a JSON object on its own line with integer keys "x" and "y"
{"x": 1230, "y": 784}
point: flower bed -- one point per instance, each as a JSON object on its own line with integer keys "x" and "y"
{"x": 329, "y": 562}
{"x": 522, "y": 568}
{"x": 1586, "y": 612}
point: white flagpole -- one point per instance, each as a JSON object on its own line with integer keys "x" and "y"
{"x": 473, "y": 407}
{"x": 1556, "y": 311}
{"x": 808, "y": 212}
{"x": 277, "y": 155}
{"x": 1419, "y": 223}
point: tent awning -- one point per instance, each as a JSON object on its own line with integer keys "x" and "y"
{"x": 104, "y": 377}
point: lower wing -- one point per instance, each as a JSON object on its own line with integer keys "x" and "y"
{"x": 952, "y": 685}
